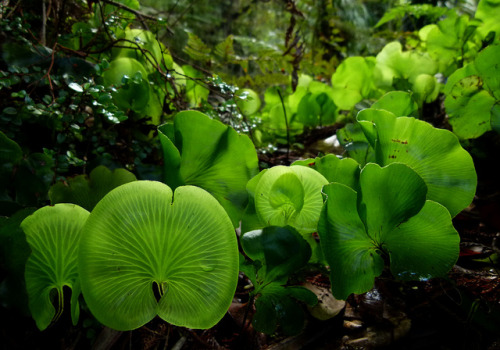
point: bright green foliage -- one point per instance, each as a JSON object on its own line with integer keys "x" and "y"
{"x": 196, "y": 92}
{"x": 143, "y": 46}
{"x": 53, "y": 234}
{"x": 129, "y": 77}
{"x": 353, "y": 81}
{"x": 316, "y": 109}
{"x": 400, "y": 103}
{"x": 404, "y": 9}
{"x": 86, "y": 191}
{"x": 288, "y": 196}
{"x": 389, "y": 216}
{"x": 450, "y": 42}
{"x": 277, "y": 252}
{"x": 435, "y": 154}
{"x": 400, "y": 70}
{"x": 344, "y": 171}
{"x": 471, "y": 92}
{"x": 248, "y": 101}
{"x": 208, "y": 154}
{"x": 487, "y": 13}
{"x": 142, "y": 238}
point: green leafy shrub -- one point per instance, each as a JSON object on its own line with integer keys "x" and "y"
{"x": 473, "y": 93}
{"x": 387, "y": 219}
{"x": 276, "y": 253}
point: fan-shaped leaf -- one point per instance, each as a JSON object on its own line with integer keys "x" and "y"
{"x": 53, "y": 234}
{"x": 141, "y": 237}
{"x": 435, "y": 154}
{"x": 206, "y": 153}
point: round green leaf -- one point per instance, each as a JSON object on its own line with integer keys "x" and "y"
{"x": 428, "y": 234}
{"x": 290, "y": 196}
{"x": 203, "y": 152}
{"x": 487, "y": 65}
{"x": 351, "y": 254}
{"x": 53, "y": 234}
{"x": 394, "y": 64}
{"x": 141, "y": 237}
{"x": 141, "y": 45}
{"x": 135, "y": 93}
{"x": 353, "y": 140}
{"x": 248, "y": 101}
{"x": 353, "y": 81}
{"x": 435, "y": 154}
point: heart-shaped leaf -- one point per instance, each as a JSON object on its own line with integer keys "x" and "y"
{"x": 206, "y": 153}
{"x": 142, "y": 238}
{"x": 389, "y": 216}
{"x": 53, "y": 234}
{"x": 435, "y": 154}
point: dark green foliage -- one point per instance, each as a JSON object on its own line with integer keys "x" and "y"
{"x": 276, "y": 253}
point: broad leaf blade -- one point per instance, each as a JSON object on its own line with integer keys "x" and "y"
{"x": 390, "y": 196}
{"x": 428, "y": 234}
{"x": 53, "y": 234}
{"x": 208, "y": 154}
{"x": 351, "y": 254}
{"x": 141, "y": 235}
{"x": 435, "y": 154}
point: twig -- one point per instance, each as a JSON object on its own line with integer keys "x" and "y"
{"x": 287, "y": 128}
{"x": 141, "y": 16}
